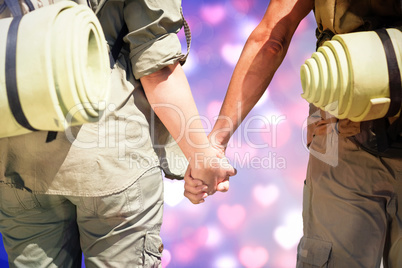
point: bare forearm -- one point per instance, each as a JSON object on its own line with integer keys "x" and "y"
{"x": 169, "y": 94}
{"x": 251, "y": 77}
{"x": 263, "y": 53}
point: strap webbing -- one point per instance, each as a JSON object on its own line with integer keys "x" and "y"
{"x": 395, "y": 129}
{"x": 188, "y": 38}
{"x": 11, "y": 75}
{"x": 394, "y": 75}
{"x": 380, "y": 129}
{"x": 14, "y": 7}
{"x": 3, "y": 7}
{"x": 30, "y": 5}
{"x": 385, "y": 133}
{"x": 118, "y": 43}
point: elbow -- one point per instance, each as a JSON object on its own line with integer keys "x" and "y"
{"x": 273, "y": 44}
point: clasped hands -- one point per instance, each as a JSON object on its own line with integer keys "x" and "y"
{"x": 207, "y": 173}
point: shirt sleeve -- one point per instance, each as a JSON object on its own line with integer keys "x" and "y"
{"x": 153, "y": 26}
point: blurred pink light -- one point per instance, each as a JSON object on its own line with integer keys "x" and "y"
{"x": 304, "y": 25}
{"x": 184, "y": 252}
{"x": 171, "y": 223}
{"x": 231, "y": 216}
{"x": 198, "y": 237}
{"x": 289, "y": 233}
{"x": 214, "y": 237}
{"x": 284, "y": 259}
{"x": 225, "y": 262}
{"x": 243, "y": 6}
{"x": 213, "y": 14}
{"x": 166, "y": 258}
{"x": 173, "y": 193}
{"x": 266, "y": 195}
{"x": 287, "y": 79}
{"x": 298, "y": 113}
{"x": 231, "y": 53}
{"x": 213, "y": 110}
{"x": 253, "y": 257}
{"x": 280, "y": 132}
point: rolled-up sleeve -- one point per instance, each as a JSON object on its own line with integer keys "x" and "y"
{"x": 153, "y": 26}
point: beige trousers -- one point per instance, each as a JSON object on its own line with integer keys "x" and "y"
{"x": 119, "y": 230}
{"x": 352, "y": 207}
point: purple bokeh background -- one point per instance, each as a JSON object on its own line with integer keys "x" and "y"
{"x": 258, "y": 222}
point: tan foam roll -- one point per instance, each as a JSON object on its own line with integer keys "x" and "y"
{"x": 61, "y": 69}
{"x": 348, "y": 75}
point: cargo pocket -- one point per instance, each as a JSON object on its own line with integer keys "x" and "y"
{"x": 153, "y": 250}
{"x": 313, "y": 253}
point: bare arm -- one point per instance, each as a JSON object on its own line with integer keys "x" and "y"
{"x": 262, "y": 54}
{"x": 170, "y": 96}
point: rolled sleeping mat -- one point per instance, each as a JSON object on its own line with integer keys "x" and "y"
{"x": 356, "y": 75}
{"x": 54, "y": 69}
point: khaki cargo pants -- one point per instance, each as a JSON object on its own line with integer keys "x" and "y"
{"x": 352, "y": 207}
{"x": 120, "y": 230}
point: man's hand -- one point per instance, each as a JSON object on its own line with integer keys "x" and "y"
{"x": 196, "y": 191}
{"x": 215, "y": 174}
{"x": 211, "y": 170}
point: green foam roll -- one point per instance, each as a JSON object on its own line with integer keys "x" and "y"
{"x": 333, "y": 89}
{"x": 352, "y": 79}
{"x": 62, "y": 69}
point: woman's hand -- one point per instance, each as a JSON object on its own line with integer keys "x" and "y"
{"x": 213, "y": 170}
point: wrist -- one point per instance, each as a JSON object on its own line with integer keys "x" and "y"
{"x": 206, "y": 157}
{"x": 219, "y": 140}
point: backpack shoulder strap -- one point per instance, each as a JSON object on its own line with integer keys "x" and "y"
{"x": 14, "y": 7}
{"x": 118, "y": 43}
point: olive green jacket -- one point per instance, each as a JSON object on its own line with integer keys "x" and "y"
{"x": 106, "y": 157}
{"x": 345, "y": 16}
